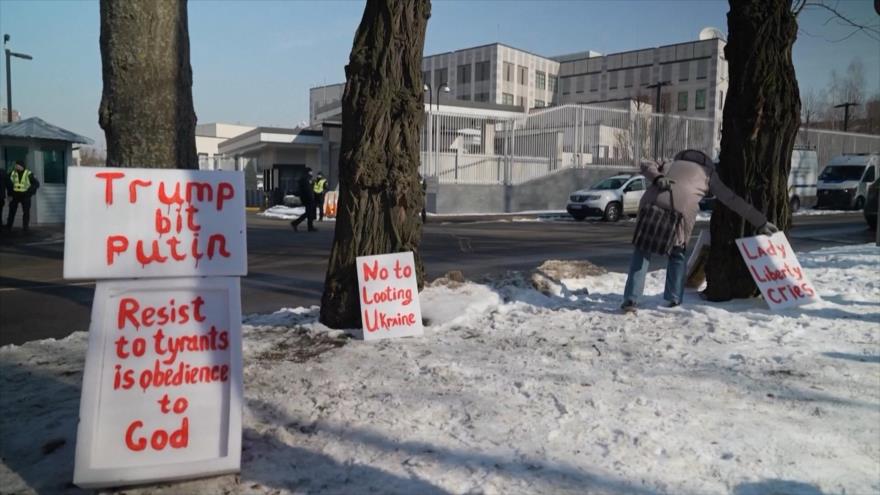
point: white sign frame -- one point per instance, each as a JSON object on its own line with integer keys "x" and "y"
{"x": 95, "y": 231}
{"x": 87, "y": 476}
{"x": 786, "y": 263}
{"x": 387, "y": 262}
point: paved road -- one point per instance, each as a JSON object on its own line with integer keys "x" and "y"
{"x": 286, "y": 269}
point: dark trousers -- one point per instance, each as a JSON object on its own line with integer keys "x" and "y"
{"x": 309, "y": 216}
{"x": 25, "y": 201}
{"x": 319, "y": 204}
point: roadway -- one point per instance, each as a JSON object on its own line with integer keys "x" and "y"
{"x": 286, "y": 268}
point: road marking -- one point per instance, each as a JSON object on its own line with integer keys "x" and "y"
{"x": 48, "y": 286}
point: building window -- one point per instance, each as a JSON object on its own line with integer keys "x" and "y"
{"x": 54, "y": 171}
{"x": 612, "y": 80}
{"x": 721, "y": 100}
{"x": 628, "y": 79}
{"x": 508, "y": 71}
{"x": 482, "y": 71}
{"x": 700, "y": 99}
{"x": 580, "y": 82}
{"x": 594, "y": 83}
{"x": 667, "y": 73}
{"x": 645, "y": 76}
{"x": 566, "y": 85}
{"x": 426, "y": 77}
{"x": 702, "y": 68}
{"x": 539, "y": 103}
{"x": 12, "y": 154}
{"x": 522, "y": 101}
{"x": 684, "y": 69}
{"x": 683, "y": 101}
{"x": 523, "y": 75}
{"x": 481, "y": 97}
{"x": 440, "y": 78}
{"x": 665, "y": 102}
{"x": 552, "y": 83}
{"x": 507, "y": 99}
{"x": 464, "y": 96}
{"x": 540, "y": 80}
{"x": 464, "y": 74}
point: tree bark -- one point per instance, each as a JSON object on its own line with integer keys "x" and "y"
{"x": 760, "y": 123}
{"x": 147, "y": 107}
{"x": 380, "y": 195}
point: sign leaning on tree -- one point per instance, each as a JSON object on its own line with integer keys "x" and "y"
{"x": 162, "y": 386}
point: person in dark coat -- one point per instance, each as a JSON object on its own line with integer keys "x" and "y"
{"x": 22, "y": 185}
{"x": 4, "y": 183}
{"x": 306, "y": 192}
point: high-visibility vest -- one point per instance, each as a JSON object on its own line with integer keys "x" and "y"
{"x": 21, "y": 181}
{"x": 319, "y": 186}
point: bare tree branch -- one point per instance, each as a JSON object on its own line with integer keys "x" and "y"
{"x": 869, "y": 30}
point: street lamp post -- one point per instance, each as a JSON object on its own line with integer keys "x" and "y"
{"x": 845, "y": 107}
{"x": 659, "y": 85}
{"x": 9, "y": 55}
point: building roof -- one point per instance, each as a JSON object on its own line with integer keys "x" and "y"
{"x": 37, "y": 128}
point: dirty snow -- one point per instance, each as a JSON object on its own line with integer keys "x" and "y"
{"x": 514, "y": 391}
{"x": 287, "y": 213}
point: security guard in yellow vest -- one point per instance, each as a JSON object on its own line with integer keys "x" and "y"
{"x": 21, "y": 186}
{"x": 320, "y": 187}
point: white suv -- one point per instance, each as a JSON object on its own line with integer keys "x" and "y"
{"x": 608, "y": 199}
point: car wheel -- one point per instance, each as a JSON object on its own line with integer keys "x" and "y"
{"x": 612, "y": 212}
{"x": 794, "y": 204}
{"x": 860, "y": 203}
{"x": 579, "y": 217}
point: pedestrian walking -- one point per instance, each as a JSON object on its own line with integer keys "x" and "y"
{"x": 21, "y": 186}
{"x": 320, "y": 188}
{"x": 667, "y": 213}
{"x": 424, "y": 184}
{"x": 306, "y": 191}
{"x": 4, "y": 184}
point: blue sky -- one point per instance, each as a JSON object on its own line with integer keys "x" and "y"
{"x": 254, "y": 61}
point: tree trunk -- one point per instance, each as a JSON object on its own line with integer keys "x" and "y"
{"x": 147, "y": 107}
{"x": 380, "y": 195}
{"x": 761, "y": 118}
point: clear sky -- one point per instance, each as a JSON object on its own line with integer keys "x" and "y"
{"x": 254, "y": 61}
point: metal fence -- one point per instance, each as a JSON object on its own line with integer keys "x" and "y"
{"x": 459, "y": 148}
{"x": 479, "y": 149}
{"x": 829, "y": 144}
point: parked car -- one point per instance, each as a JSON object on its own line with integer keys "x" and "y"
{"x": 871, "y": 206}
{"x": 609, "y": 198}
{"x": 844, "y": 181}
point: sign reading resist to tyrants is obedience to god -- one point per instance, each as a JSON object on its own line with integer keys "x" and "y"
{"x": 142, "y": 223}
{"x": 389, "y": 296}
{"x": 776, "y": 271}
{"x": 162, "y": 386}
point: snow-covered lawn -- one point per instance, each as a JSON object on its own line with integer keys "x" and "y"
{"x": 514, "y": 391}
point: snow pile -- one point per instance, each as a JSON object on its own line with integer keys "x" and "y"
{"x": 516, "y": 391}
{"x": 283, "y": 212}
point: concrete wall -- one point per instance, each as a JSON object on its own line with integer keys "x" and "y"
{"x": 547, "y": 193}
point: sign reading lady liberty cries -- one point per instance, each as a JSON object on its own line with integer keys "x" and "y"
{"x": 389, "y": 296}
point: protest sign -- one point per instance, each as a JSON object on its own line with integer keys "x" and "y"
{"x": 776, "y": 271}
{"x": 162, "y": 386}
{"x": 389, "y": 296}
{"x": 141, "y": 223}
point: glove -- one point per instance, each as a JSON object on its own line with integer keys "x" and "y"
{"x": 768, "y": 229}
{"x": 664, "y": 183}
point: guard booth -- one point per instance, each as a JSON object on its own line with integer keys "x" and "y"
{"x": 47, "y": 151}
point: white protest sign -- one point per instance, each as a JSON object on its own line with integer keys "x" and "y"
{"x": 162, "y": 387}
{"x": 389, "y": 296}
{"x": 776, "y": 271}
{"x": 142, "y": 223}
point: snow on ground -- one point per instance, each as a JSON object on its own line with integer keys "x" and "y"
{"x": 287, "y": 213}
{"x": 513, "y": 391}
